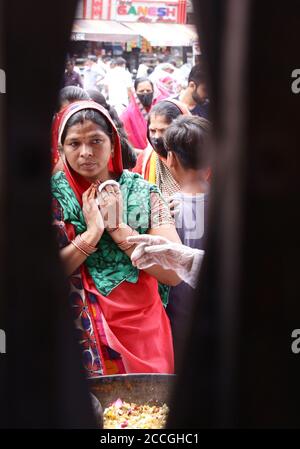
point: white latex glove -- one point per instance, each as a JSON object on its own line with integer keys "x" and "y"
{"x": 155, "y": 250}
{"x": 174, "y": 206}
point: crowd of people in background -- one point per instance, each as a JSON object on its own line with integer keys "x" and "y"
{"x": 113, "y": 79}
{"x": 130, "y": 183}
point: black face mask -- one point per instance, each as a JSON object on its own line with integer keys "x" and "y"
{"x": 146, "y": 99}
{"x": 159, "y": 147}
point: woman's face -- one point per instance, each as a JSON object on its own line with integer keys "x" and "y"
{"x": 144, "y": 92}
{"x": 144, "y": 87}
{"x": 168, "y": 83}
{"x": 158, "y": 126}
{"x": 87, "y": 150}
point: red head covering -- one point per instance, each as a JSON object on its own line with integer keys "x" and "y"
{"x": 166, "y": 79}
{"x": 54, "y": 137}
{"x": 77, "y": 182}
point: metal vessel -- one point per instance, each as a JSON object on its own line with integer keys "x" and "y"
{"x": 139, "y": 388}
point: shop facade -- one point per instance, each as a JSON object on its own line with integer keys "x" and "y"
{"x": 151, "y": 11}
{"x": 133, "y": 29}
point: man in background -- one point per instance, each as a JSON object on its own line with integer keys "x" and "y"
{"x": 195, "y": 96}
{"x": 143, "y": 69}
{"x": 71, "y": 78}
{"x": 119, "y": 83}
{"x": 93, "y": 74}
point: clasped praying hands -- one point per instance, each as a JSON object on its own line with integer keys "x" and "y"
{"x": 92, "y": 215}
{"x": 110, "y": 201}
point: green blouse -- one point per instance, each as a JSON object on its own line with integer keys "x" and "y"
{"x": 109, "y": 266}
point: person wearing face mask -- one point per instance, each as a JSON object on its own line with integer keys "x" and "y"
{"x": 166, "y": 85}
{"x": 151, "y": 164}
{"x": 195, "y": 96}
{"x": 135, "y": 116}
{"x": 189, "y": 160}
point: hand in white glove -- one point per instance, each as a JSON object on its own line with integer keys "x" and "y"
{"x": 174, "y": 207}
{"x": 155, "y": 250}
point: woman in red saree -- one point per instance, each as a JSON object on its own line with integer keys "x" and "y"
{"x": 122, "y": 325}
{"x": 135, "y": 116}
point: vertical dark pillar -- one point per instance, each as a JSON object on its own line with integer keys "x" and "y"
{"x": 44, "y": 384}
{"x": 239, "y": 369}
{"x": 3, "y": 357}
{"x": 184, "y": 54}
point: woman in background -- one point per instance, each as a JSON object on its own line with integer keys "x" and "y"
{"x": 151, "y": 164}
{"x": 136, "y": 115}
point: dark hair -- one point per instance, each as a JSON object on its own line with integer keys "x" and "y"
{"x": 162, "y": 58}
{"x": 142, "y": 80}
{"x": 166, "y": 108}
{"x": 71, "y": 94}
{"x": 197, "y": 75}
{"x": 92, "y": 58}
{"x": 91, "y": 115}
{"x": 120, "y": 61}
{"x": 128, "y": 154}
{"x": 187, "y": 138}
{"x": 150, "y": 70}
{"x": 96, "y": 96}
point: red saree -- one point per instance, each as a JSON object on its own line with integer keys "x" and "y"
{"x": 135, "y": 124}
{"x": 131, "y": 321}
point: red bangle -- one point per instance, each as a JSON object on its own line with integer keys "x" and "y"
{"x": 124, "y": 245}
{"x": 90, "y": 249}
{"x": 83, "y": 246}
{"x": 79, "y": 248}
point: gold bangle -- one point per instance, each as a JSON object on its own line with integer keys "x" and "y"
{"x": 84, "y": 245}
{"x": 80, "y": 249}
{"x": 120, "y": 226}
{"x": 124, "y": 245}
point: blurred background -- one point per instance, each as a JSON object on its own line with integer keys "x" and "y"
{"x": 238, "y": 370}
